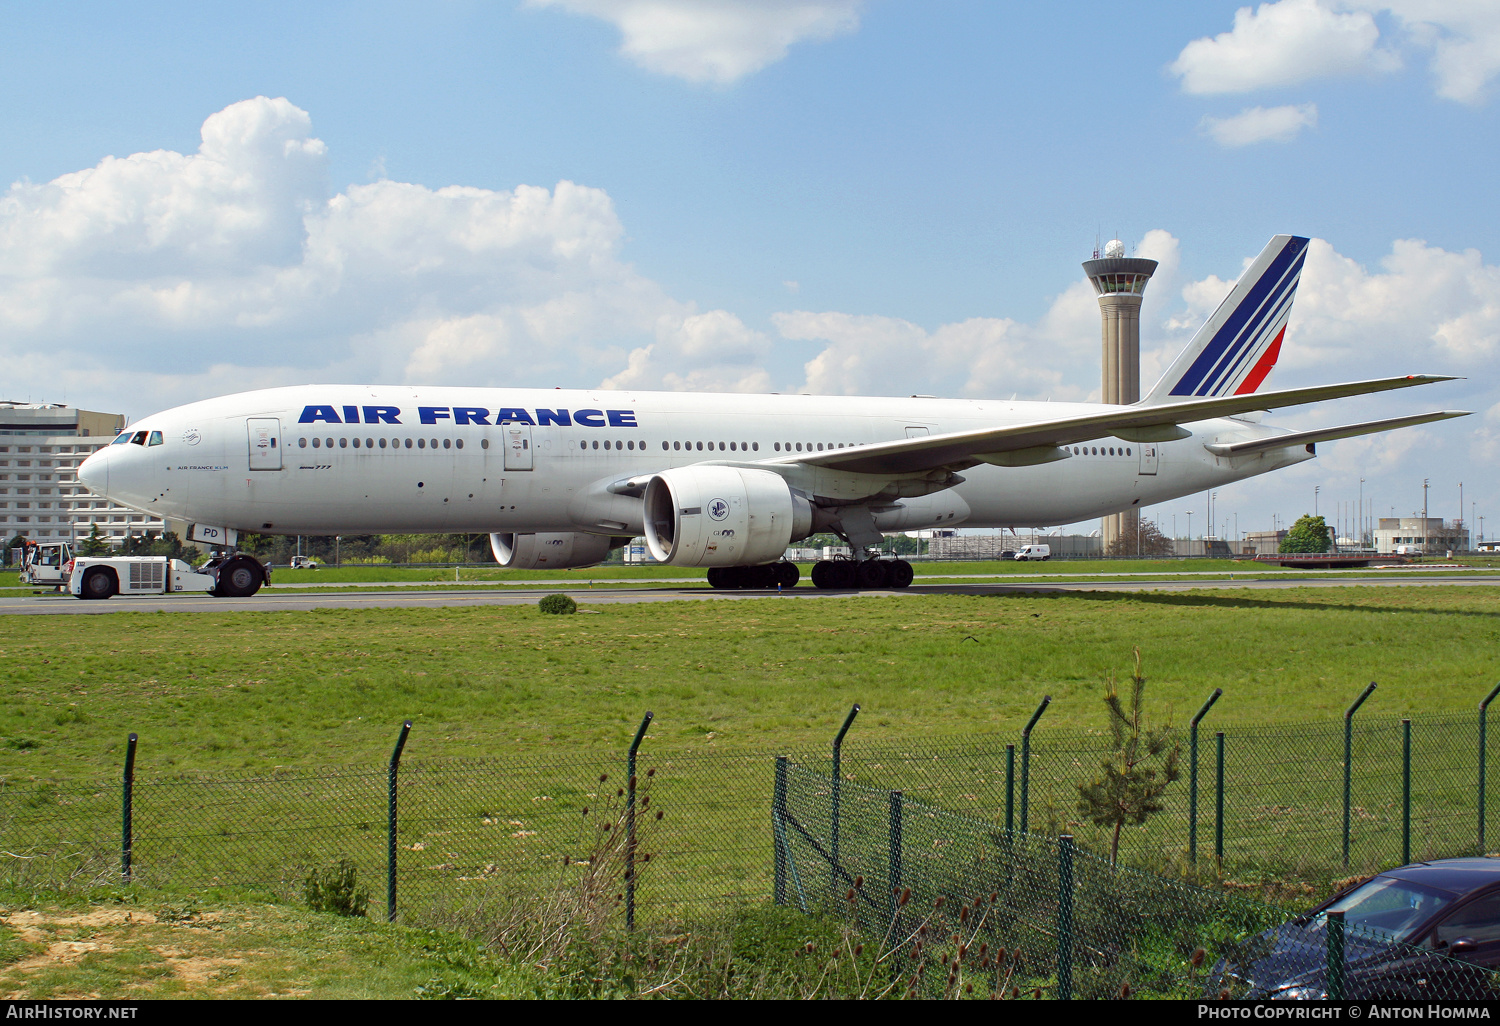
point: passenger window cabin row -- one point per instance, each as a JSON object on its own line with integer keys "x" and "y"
{"x": 606, "y": 444}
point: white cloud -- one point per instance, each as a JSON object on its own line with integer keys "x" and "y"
{"x": 1292, "y": 41}
{"x": 235, "y": 266}
{"x": 981, "y": 356}
{"x": 1261, "y": 124}
{"x": 1056, "y": 356}
{"x": 1463, "y": 37}
{"x": 709, "y": 352}
{"x": 1426, "y": 306}
{"x": 1284, "y": 43}
{"x": 715, "y": 40}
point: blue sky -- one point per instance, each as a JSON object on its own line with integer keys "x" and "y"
{"x": 784, "y": 195}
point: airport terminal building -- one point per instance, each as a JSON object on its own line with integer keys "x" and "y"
{"x": 41, "y": 446}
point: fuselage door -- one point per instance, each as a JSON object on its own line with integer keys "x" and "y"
{"x": 912, "y": 431}
{"x": 1149, "y": 457}
{"x": 265, "y": 443}
{"x": 517, "y": 446}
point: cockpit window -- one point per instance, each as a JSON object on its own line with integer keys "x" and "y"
{"x": 155, "y": 438}
{"x": 124, "y": 437}
{"x": 139, "y": 439}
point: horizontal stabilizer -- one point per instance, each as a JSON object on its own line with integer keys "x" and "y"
{"x": 1327, "y": 434}
{"x": 961, "y": 449}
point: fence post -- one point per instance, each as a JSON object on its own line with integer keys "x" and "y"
{"x": 1405, "y": 791}
{"x": 1026, "y": 759}
{"x": 1065, "y": 917}
{"x": 1335, "y": 956}
{"x": 1484, "y": 744}
{"x": 1219, "y": 801}
{"x": 127, "y": 809}
{"x": 1193, "y": 775}
{"x": 635, "y": 745}
{"x": 390, "y": 830}
{"x": 778, "y": 810}
{"x": 1349, "y": 758}
{"x": 1010, "y": 790}
{"x": 893, "y": 865}
{"x": 838, "y": 785}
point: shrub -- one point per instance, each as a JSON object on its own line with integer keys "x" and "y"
{"x": 559, "y": 604}
{"x": 336, "y": 888}
{"x": 1308, "y": 534}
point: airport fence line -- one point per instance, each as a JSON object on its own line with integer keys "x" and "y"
{"x": 426, "y": 834}
{"x": 952, "y": 905}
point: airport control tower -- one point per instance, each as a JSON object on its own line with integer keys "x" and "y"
{"x": 1120, "y": 282}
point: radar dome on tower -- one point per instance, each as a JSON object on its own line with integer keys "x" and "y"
{"x": 1114, "y": 248}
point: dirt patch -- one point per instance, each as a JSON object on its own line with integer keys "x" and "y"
{"x": 198, "y": 968}
{"x": 58, "y": 953}
{"x": 29, "y": 923}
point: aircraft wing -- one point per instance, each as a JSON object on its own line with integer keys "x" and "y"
{"x": 1328, "y": 434}
{"x": 1039, "y": 442}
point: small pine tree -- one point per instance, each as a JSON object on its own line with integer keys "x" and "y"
{"x": 94, "y": 544}
{"x": 1139, "y": 769}
{"x": 1308, "y": 534}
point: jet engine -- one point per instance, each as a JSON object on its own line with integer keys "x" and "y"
{"x": 722, "y": 516}
{"x": 560, "y": 551}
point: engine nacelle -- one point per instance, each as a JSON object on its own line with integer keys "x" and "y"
{"x": 561, "y": 551}
{"x": 722, "y": 516}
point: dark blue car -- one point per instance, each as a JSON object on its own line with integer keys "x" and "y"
{"x": 1427, "y": 930}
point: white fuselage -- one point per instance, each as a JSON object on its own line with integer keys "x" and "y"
{"x": 386, "y": 459}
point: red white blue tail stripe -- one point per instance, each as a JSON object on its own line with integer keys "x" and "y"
{"x": 1236, "y": 348}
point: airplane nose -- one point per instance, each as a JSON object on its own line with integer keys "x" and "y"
{"x": 93, "y": 474}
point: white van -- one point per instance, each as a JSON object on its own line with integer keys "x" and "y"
{"x": 1034, "y": 552}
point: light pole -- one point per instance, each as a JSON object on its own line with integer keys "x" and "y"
{"x": 1361, "y": 512}
{"x": 1424, "y": 516}
{"x": 1190, "y": 531}
{"x": 1316, "y": 490}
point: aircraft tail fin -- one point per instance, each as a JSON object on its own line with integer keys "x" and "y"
{"x": 1236, "y": 348}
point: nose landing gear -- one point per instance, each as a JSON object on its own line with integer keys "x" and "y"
{"x": 239, "y": 575}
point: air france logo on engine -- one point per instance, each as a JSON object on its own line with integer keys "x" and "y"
{"x": 462, "y": 415}
{"x": 718, "y": 509}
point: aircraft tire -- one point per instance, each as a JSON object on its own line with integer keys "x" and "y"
{"x": 899, "y": 574}
{"x": 870, "y": 574}
{"x": 98, "y": 583}
{"x": 716, "y": 577}
{"x": 241, "y": 577}
{"x": 821, "y": 573}
{"x": 787, "y": 574}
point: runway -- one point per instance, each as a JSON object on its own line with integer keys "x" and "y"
{"x": 273, "y": 601}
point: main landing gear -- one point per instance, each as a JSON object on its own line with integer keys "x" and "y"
{"x": 840, "y": 574}
{"x": 767, "y": 576}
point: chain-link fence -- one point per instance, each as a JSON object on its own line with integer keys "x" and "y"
{"x": 954, "y": 906}
{"x": 466, "y": 832}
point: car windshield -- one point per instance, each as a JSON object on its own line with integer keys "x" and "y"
{"x": 1387, "y": 908}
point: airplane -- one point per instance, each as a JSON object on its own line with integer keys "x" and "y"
{"x": 559, "y": 478}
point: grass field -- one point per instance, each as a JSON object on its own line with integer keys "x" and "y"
{"x": 345, "y": 575}
{"x": 552, "y": 700}
{"x": 256, "y": 691}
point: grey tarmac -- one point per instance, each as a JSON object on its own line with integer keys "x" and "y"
{"x": 274, "y": 602}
